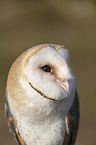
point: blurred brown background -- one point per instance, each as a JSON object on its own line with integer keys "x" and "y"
{"x": 25, "y": 23}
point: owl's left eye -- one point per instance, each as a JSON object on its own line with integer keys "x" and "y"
{"x": 46, "y": 68}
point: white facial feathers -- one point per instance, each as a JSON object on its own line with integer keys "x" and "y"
{"x": 50, "y": 56}
{"x": 54, "y": 83}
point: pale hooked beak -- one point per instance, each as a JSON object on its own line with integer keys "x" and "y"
{"x": 64, "y": 85}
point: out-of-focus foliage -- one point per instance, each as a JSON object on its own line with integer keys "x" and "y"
{"x": 25, "y": 23}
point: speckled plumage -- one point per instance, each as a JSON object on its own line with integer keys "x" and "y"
{"x": 42, "y": 108}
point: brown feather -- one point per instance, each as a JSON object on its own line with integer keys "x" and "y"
{"x": 12, "y": 123}
{"x": 73, "y": 117}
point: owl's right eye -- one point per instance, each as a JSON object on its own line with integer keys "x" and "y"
{"x": 46, "y": 68}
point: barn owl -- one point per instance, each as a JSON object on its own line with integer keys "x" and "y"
{"x": 41, "y": 100}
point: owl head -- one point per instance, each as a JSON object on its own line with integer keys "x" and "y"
{"x": 47, "y": 71}
{"x": 41, "y": 74}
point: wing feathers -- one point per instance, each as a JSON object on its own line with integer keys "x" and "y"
{"x": 72, "y": 122}
{"x": 12, "y": 123}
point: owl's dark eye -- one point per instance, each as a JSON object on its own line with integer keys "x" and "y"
{"x": 46, "y": 68}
